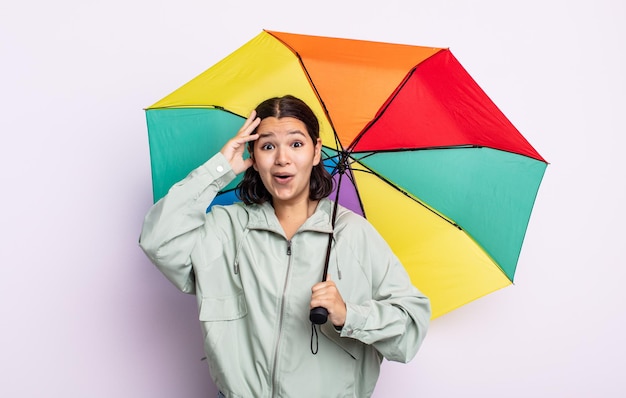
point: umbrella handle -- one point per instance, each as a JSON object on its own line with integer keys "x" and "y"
{"x": 318, "y": 315}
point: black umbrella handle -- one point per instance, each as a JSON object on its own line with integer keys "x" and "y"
{"x": 318, "y": 315}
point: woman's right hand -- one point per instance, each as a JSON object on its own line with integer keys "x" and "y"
{"x": 235, "y": 147}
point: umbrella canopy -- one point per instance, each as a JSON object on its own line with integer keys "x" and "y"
{"x": 431, "y": 161}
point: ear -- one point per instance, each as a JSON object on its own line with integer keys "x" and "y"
{"x": 317, "y": 156}
{"x": 253, "y": 161}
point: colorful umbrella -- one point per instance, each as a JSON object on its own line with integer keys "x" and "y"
{"x": 431, "y": 161}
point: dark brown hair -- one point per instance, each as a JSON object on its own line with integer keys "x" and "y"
{"x": 251, "y": 189}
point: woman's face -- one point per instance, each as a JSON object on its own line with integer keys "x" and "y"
{"x": 284, "y": 155}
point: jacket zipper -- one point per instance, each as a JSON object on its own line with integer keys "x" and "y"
{"x": 236, "y": 263}
{"x": 280, "y": 320}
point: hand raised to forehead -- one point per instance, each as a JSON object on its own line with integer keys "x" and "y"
{"x": 234, "y": 149}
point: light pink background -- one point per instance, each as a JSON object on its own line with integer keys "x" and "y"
{"x": 84, "y": 314}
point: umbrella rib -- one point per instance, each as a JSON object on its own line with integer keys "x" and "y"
{"x": 405, "y": 193}
{"x": 198, "y": 106}
{"x": 430, "y": 148}
{"x": 340, "y": 166}
{"x": 358, "y": 194}
{"x": 345, "y": 156}
{"x": 314, "y": 88}
{"x": 381, "y": 111}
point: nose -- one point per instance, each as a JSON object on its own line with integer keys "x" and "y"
{"x": 282, "y": 156}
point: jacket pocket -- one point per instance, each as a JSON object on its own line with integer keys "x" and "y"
{"x": 226, "y": 308}
{"x": 220, "y": 318}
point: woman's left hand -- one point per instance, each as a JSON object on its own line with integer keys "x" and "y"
{"x": 325, "y": 294}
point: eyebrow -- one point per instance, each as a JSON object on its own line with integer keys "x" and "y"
{"x": 271, "y": 133}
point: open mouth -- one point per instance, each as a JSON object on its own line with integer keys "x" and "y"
{"x": 282, "y": 177}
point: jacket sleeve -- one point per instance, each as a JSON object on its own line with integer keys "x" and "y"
{"x": 174, "y": 225}
{"x": 396, "y": 319}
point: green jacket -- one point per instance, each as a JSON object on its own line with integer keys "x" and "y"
{"x": 254, "y": 288}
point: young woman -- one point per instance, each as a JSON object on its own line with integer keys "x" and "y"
{"x": 255, "y": 267}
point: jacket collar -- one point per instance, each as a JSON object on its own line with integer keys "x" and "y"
{"x": 263, "y": 217}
